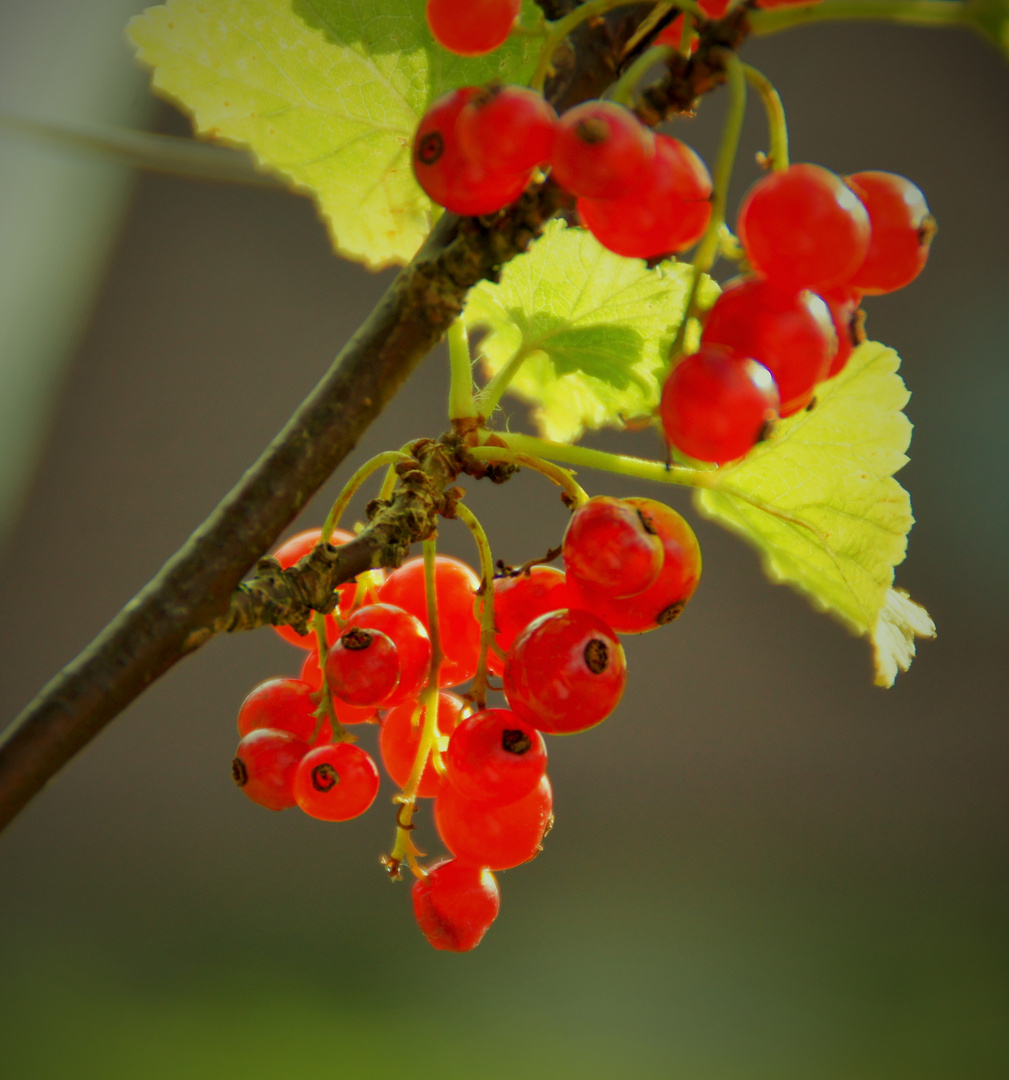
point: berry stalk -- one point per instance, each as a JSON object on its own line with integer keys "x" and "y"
{"x": 777, "y": 155}
{"x": 563, "y": 478}
{"x": 487, "y": 623}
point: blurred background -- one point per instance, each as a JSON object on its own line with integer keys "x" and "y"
{"x": 763, "y": 867}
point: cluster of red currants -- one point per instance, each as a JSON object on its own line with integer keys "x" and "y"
{"x": 630, "y": 566}
{"x": 639, "y": 193}
{"x": 815, "y": 244}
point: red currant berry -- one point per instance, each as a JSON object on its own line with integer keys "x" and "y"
{"x": 336, "y": 782}
{"x": 507, "y": 129}
{"x": 495, "y": 757}
{"x": 672, "y": 36}
{"x": 769, "y": 4}
{"x": 264, "y": 766}
{"x": 293, "y": 551}
{"x": 717, "y": 405}
{"x": 790, "y": 333}
{"x": 902, "y": 232}
{"x": 455, "y": 903}
{"x": 311, "y": 673}
{"x": 450, "y": 179}
{"x": 803, "y": 228}
{"x": 520, "y": 598}
{"x": 714, "y": 9}
{"x": 610, "y": 546}
{"x": 667, "y": 211}
{"x": 498, "y": 837}
{"x": 600, "y": 150}
{"x": 284, "y": 705}
{"x": 472, "y": 27}
{"x": 565, "y": 673}
{"x": 363, "y": 667}
{"x": 849, "y": 324}
{"x": 412, "y": 645}
{"x": 400, "y": 739}
{"x": 455, "y": 587}
{"x": 662, "y": 602}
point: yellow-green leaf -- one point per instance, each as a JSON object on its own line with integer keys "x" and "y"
{"x": 326, "y": 92}
{"x": 819, "y": 502}
{"x": 592, "y": 330}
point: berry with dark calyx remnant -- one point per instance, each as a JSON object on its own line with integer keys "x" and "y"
{"x": 565, "y": 673}
{"x": 293, "y": 551}
{"x": 507, "y": 129}
{"x": 446, "y": 175}
{"x": 520, "y": 598}
{"x": 455, "y": 587}
{"x": 336, "y": 782}
{"x": 311, "y": 673}
{"x": 284, "y": 705}
{"x": 455, "y": 903}
{"x": 265, "y": 764}
{"x": 849, "y": 324}
{"x": 717, "y": 405}
{"x": 663, "y": 601}
{"x": 600, "y": 150}
{"x": 902, "y": 230}
{"x": 363, "y": 667}
{"x": 610, "y": 546}
{"x": 498, "y": 837}
{"x": 803, "y": 228}
{"x": 400, "y": 739}
{"x": 789, "y": 332}
{"x": 413, "y": 646}
{"x": 495, "y": 757}
{"x": 666, "y": 211}
{"x": 472, "y": 27}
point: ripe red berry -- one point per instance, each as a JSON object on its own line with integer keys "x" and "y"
{"x": 507, "y": 129}
{"x": 455, "y": 586}
{"x": 495, "y": 757}
{"x": 336, "y": 782}
{"x": 498, "y": 837}
{"x": 520, "y": 598}
{"x": 849, "y": 324}
{"x": 600, "y": 150}
{"x": 902, "y": 231}
{"x": 472, "y": 27}
{"x": 413, "y": 646}
{"x": 662, "y": 602}
{"x": 311, "y": 673}
{"x": 714, "y": 9}
{"x": 803, "y": 228}
{"x": 449, "y": 178}
{"x": 400, "y": 739}
{"x": 264, "y": 766}
{"x": 363, "y": 667}
{"x": 565, "y": 673}
{"x": 284, "y": 705}
{"x": 716, "y": 405}
{"x": 672, "y": 35}
{"x": 293, "y": 551}
{"x": 611, "y": 547}
{"x": 666, "y": 211}
{"x": 455, "y": 903}
{"x": 789, "y": 332}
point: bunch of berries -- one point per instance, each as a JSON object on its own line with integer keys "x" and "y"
{"x": 815, "y": 244}
{"x": 640, "y": 194}
{"x": 630, "y": 566}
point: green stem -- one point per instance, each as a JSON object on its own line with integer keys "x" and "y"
{"x": 623, "y": 90}
{"x": 517, "y": 456}
{"x": 390, "y": 457}
{"x": 460, "y": 395}
{"x": 777, "y": 127}
{"x": 528, "y": 446}
{"x": 326, "y": 709}
{"x": 488, "y": 398}
{"x": 906, "y": 12}
{"x": 487, "y": 625}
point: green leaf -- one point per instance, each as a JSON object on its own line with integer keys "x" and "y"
{"x": 594, "y": 330}
{"x": 326, "y": 92}
{"x": 991, "y": 17}
{"x": 819, "y": 502}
